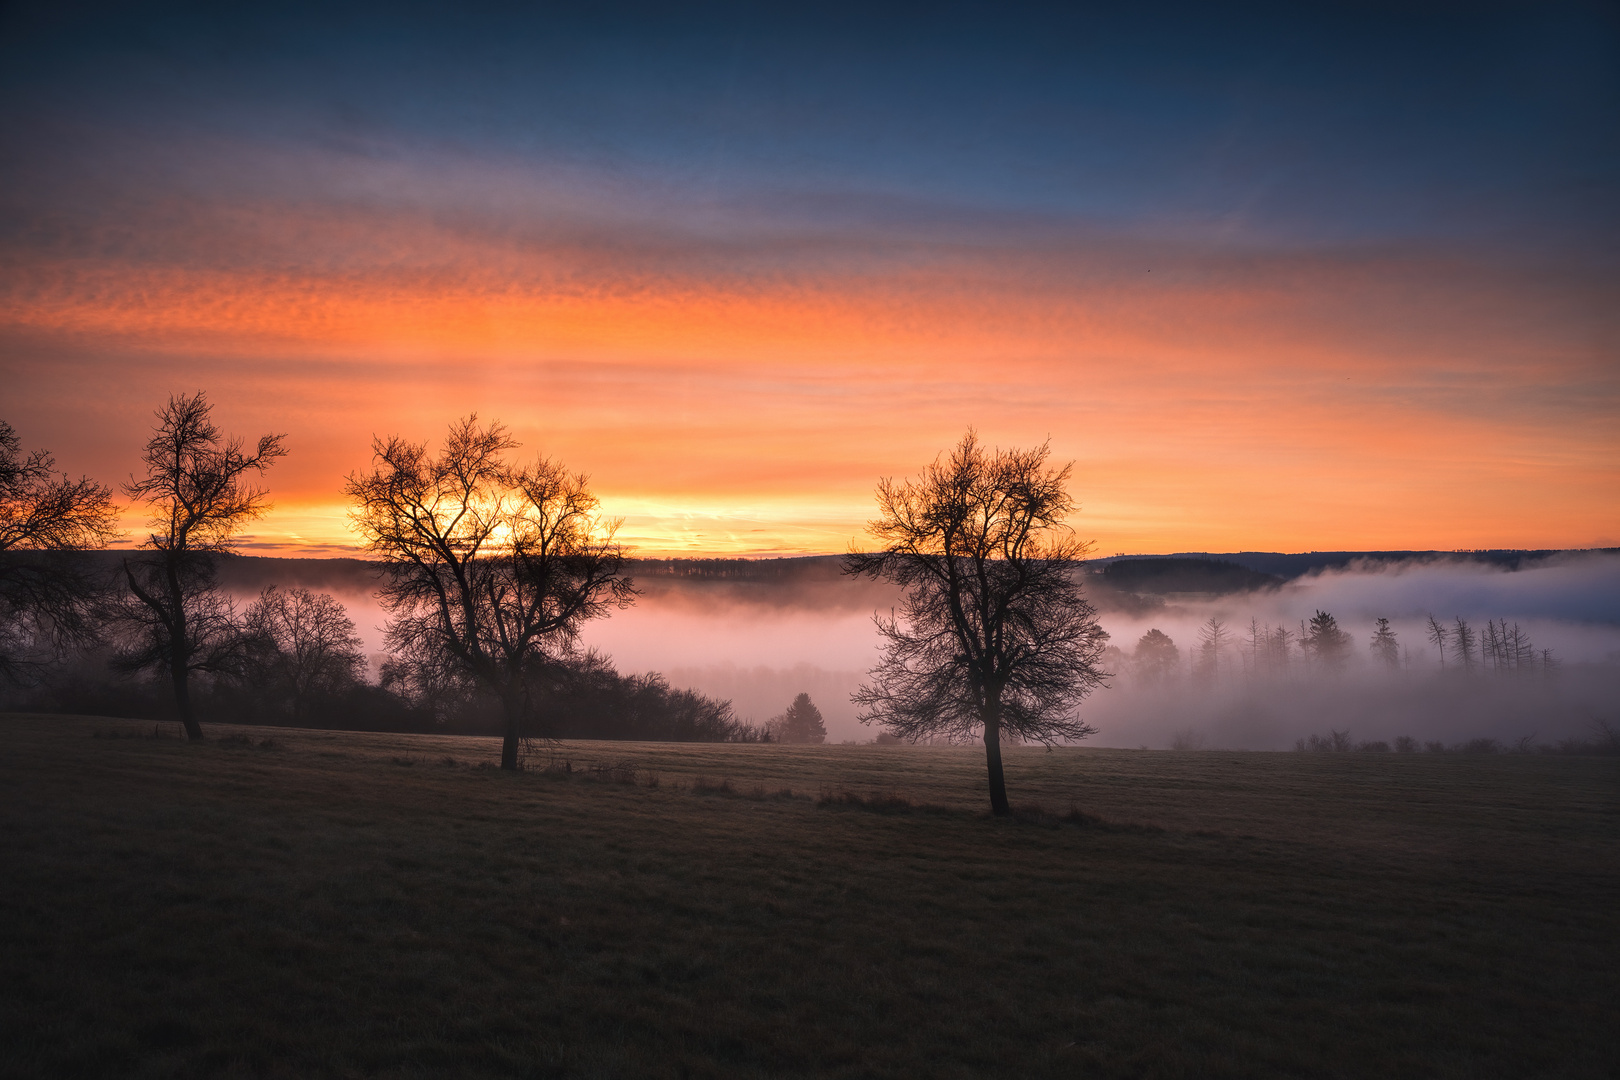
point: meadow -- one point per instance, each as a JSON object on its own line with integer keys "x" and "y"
{"x": 277, "y": 902}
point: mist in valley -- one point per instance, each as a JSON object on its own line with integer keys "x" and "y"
{"x": 758, "y": 633}
{"x": 758, "y": 644}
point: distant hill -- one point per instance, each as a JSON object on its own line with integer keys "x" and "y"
{"x": 819, "y": 581}
{"x": 1179, "y": 575}
{"x": 1293, "y": 565}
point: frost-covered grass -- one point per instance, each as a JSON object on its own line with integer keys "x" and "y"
{"x": 278, "y": 902}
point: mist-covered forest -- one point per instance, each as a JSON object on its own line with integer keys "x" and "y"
{"x": 1205, "y": 651}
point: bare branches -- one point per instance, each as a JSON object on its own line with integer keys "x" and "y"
{"x": 492, "y": 567}
{"x": 195, "y": 482}
{"x": 994, "y": 634}
{"x": 46, "y": 592}
{"x": 197, "y": 491}
{"x": 43, "y": 509}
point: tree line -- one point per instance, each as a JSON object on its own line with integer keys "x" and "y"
{"x": 1319, "y": 645}
{"x": 490, "y": 568}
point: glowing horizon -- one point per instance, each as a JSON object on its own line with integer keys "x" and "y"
{"x": 1254, "y": 319}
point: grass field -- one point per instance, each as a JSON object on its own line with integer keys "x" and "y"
{"x": 292, "y": 903}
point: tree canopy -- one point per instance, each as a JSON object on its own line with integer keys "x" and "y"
{"x": 492, "y": 567}
{"x": 197, "y": 491}
{"x": 995, "y": 638}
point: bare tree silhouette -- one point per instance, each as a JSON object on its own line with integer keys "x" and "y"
{"x": 302, "y": 646}
{"x": 1213, "y": 638}
{"x": 45, "y": 593}
{"x": 995, "y": 637}
{"x": 196, "y": 488}
{"x": 1436, "y": 632}
{"x": 1464, "y": 639}
{"x": 492, "y": 568}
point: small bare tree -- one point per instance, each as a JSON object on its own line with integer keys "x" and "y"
{"x": 1213, "y": 638}
{"x": 493, "y": 568}
{"x": 1436, "y": 632}
{"x": 302, "y": 646}
{"x": 45, "y": 591}
{"x": 1464, "y": 638}
{"x": 995, "y": 638}
{"x": 196, "y": 488}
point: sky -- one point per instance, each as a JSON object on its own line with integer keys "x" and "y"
{"x": 1284, "y": 277}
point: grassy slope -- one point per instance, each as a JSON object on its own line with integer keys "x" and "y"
{"x": 349, "y": 904}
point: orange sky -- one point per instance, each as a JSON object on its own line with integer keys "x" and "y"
{"x": 1314, "y": 278}
{"x": 1212, "y": 399}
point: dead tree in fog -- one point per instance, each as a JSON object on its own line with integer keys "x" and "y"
{"x": 196, "y": 489}
{"x": 1384, "y": 645}
{"x": 995, "y": 637}
{"x": 1213, "y": 637}
{"x": 1463, "y": 638}
{"x": 1256, "y": 646}
{"x": 1438, "y": 634}
{"x": 45, "y": 516}
{"x": 493, "y": 568}
{"x": 1280, "y": 650}
{"x": 1491, "y": 647}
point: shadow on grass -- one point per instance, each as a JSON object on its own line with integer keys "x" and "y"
{"x": 1036, "y": 814}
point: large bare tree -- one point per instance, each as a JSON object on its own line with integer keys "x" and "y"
{"x": 995, "y": 638}
{"x": 492, "y": 566}
{"x": 46, "y": 591}
{"x": 198, "y": 492}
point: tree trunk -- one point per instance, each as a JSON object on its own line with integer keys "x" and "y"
{"x": 178, "y": 674}
{"x": 992, "y": 756}
{"x": 512, "y": 708}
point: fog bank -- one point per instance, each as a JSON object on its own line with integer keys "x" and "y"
{"x": 760, "y": 648}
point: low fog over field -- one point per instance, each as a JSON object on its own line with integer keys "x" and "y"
{"x": 760, "y": 642}
{"x": 758, "y": 633}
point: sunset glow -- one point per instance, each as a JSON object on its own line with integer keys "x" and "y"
{"x": 735, "y": 339}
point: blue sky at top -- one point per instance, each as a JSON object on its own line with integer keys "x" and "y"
{"x": 1481, "y": 125}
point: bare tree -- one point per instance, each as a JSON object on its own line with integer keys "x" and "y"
{"x": 1280, "y": 650}
{"x": 1436, "y": 632}
{"x": 302, "y": 647}
{"x": 492, "y": 568}
{"x": 1256, "y": 646}
{"x": 197, "y": 491}
{"x": 45, "y": 591}
{"x": 1213, "y": 638}
{"x": 1384, "y": 644}
{"x": 1463, "y": 638}
{"x": 995, "y": 636}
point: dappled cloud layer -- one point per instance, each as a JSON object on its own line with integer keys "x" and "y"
{"x": 735, "y": 380}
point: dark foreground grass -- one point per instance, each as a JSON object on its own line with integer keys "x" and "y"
{"x": 284, "y": 903}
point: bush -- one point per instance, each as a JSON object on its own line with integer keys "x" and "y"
{"x": 1334, "y": 742}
